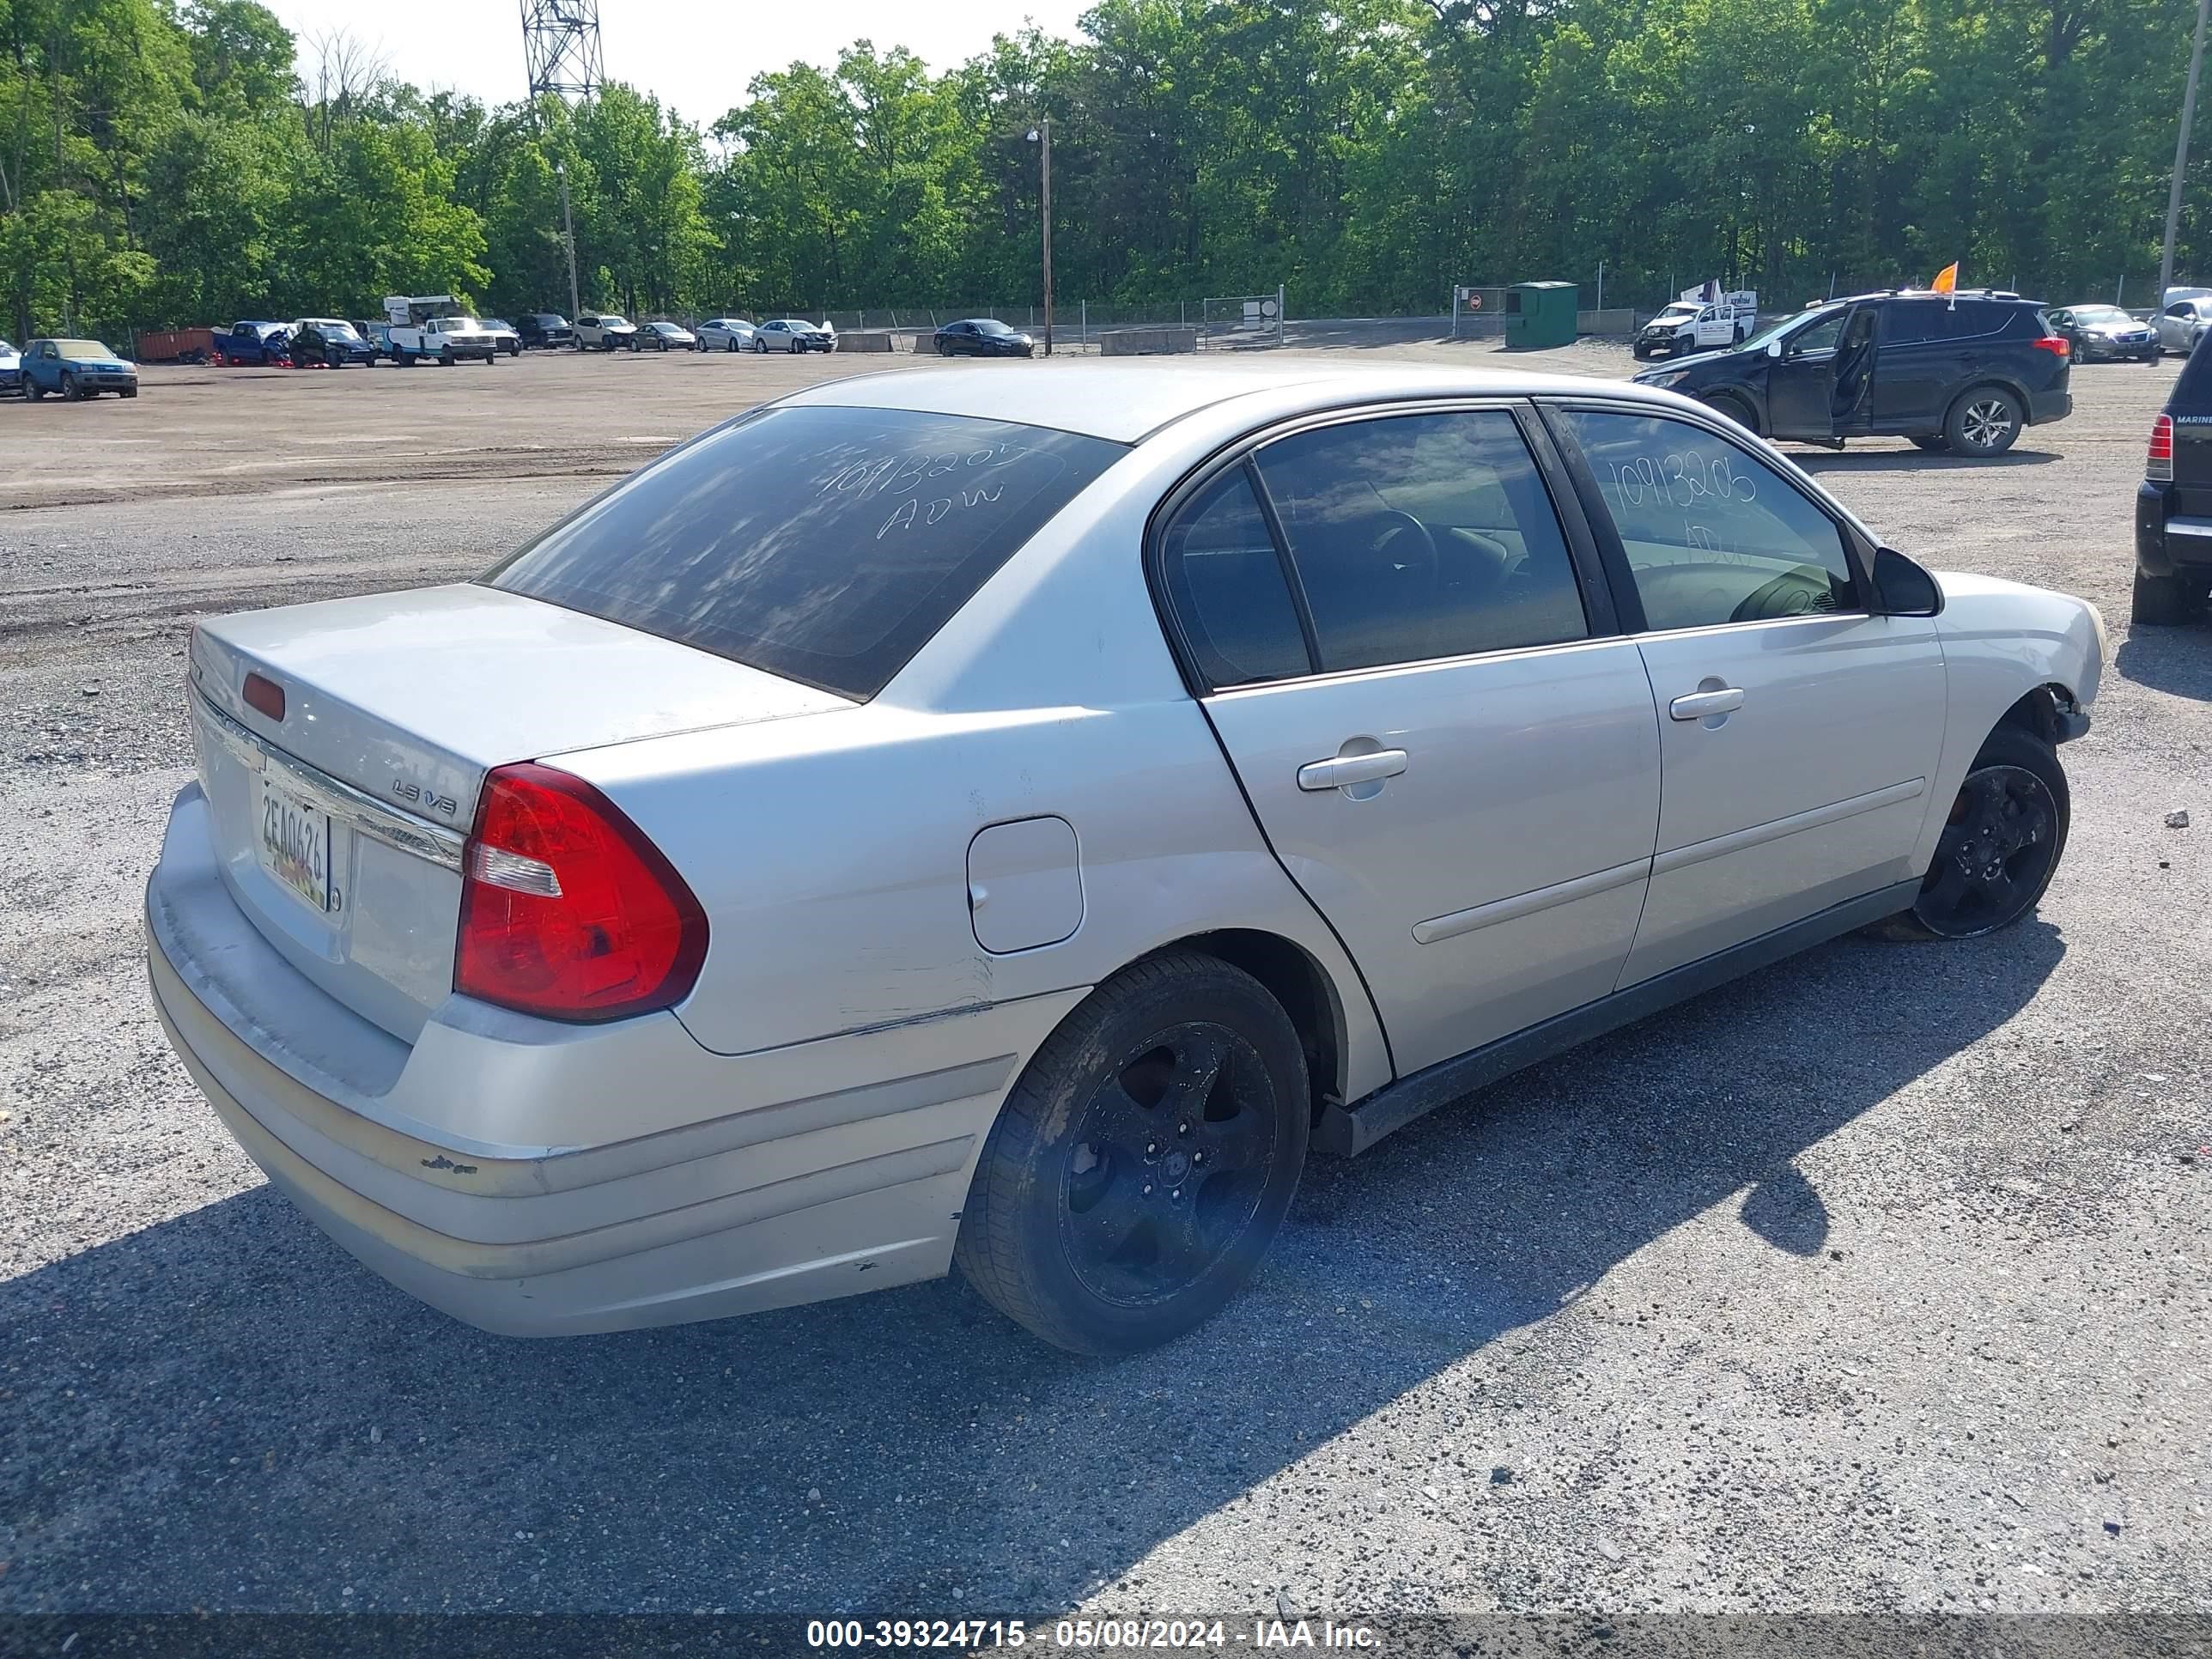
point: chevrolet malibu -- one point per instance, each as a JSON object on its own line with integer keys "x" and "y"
{"x": 940, "y": 818}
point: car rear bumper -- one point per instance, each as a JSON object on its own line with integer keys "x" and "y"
{"x": 743, "y": 1182}
{"x": 2049, "y": 405}
{"x": 2169, "y": 543}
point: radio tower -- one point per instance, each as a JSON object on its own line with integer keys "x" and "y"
{"x": 561, "y": 44}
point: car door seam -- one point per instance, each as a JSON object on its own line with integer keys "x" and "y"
{"x": 1252, "y": 811}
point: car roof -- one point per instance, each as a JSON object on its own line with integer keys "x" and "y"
{"x": 1127, "y": 402}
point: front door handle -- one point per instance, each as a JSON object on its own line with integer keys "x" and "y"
{"x": 1697, "y": 705}
{"x": 1344, "y": 771}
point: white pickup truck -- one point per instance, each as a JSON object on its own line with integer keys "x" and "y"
{"x": 424, "y": 326}
{"x": 1702, "y": 318}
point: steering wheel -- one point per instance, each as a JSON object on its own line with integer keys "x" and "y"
{"x": 1790, "y": 594}
{"x": 1393, "y": 524}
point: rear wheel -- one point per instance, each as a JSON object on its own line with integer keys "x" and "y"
{"x": 1933, "y": 443}
{"x": 2166, "y": 601}
{"x": 1143, "y": 1163}
{"x": 1999, "y": 845}
{"x": 1983, "y": 423}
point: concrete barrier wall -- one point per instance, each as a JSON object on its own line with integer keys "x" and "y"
{"x": 1611, "y": 321}
{"x": 874, "y": 340}
{"x": 1146, "y": 341}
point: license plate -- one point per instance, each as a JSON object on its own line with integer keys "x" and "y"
{"x": 296, "y": 844}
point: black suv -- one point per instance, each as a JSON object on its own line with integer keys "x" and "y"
{"x": 544, "y": 328}
{"x": 2173, "y": 507}
{"x": 1962, "y": 372}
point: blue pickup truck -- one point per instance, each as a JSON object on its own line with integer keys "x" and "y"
{"x": 253, "y": 344}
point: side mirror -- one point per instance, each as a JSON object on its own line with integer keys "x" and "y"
{"x": 1903, "y": 588}
{"x": 1774, "y": 347}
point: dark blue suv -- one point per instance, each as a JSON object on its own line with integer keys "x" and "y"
{"x": 1958, "y": 372}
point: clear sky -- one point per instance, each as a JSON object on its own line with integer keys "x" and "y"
{"x": 693, "y": 55}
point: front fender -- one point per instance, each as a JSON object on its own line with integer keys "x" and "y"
{"x": 2002, "y": 641}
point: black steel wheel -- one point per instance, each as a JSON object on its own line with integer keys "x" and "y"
{"x": 1142, "y": 1165}
{"x": 1999, "y": 845}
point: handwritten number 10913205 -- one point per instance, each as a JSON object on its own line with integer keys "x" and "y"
{"x": 1681, "y": 479}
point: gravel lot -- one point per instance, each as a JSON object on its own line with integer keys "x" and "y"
{"x": 1875, "y": 1283}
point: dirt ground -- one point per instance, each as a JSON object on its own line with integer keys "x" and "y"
{"x": 1875, "y": 1283}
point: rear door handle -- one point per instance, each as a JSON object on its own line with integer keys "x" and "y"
{"x": 1700, "y": 704}
{"x": 1342, "y": 771}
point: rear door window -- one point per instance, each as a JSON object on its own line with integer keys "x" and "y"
{"x": 1909, "y": 322}
{"x": 1416, "y": 537}
{"x": 823, "y": 545}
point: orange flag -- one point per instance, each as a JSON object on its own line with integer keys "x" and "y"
{"x": 1947, "y": 280}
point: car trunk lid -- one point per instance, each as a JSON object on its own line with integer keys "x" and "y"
{"x": 339, "y": 810}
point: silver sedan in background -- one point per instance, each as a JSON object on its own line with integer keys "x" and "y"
{"x": 726, "y": 334}
{"x": 2182, "y": 321}
{"x": 791, "y": 334}
{"x": 1011, "y": 820}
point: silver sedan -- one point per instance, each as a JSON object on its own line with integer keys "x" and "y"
{"x": 1011, "y": 821}
{"x": 726, "y": 334}
{"x": 2182, "y": 321}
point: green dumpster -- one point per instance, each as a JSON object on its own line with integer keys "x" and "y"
{"x": 1539, "y": 314}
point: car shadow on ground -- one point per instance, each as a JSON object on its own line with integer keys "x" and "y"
{"x": 223, "y": 1411}
{"x": 1905, "y": 458}
{"x": 2176, "y": 660}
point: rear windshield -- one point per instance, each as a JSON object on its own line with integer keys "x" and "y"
{"x": 826, "y": 545}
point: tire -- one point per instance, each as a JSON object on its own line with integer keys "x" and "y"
{"x": 2001, "y": 849}
{"x": 1076, "y": 1225}
{"x": 445, "y": 359}
{"x": 2166, "y": 601}
{"x": 1935, "y": 443}
{"x": 760, "y": 345}
{"x": 34, "y": 392}
{"x": 1735, "y": 408}
{"x": 404, "y": 358}
{"x": 731, "y": 346}
{"x": 128, "y": 392}
{"x": 1983, "y": 422}
{"x": 71, "y": 391}
{"x": 1641, "y": 354}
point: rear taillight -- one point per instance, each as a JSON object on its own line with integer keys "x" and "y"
{"x": 2057, "y": 345}
{"x": 567, "y": 909}
{"x": 2158, "y": 467}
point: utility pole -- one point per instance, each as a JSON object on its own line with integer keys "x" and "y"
{"x": 569, "y": 237}
{"x": 1040, "y": 136}
{"x": 2181, "y": 153}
